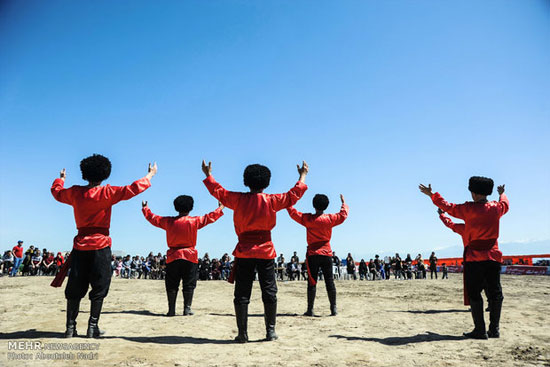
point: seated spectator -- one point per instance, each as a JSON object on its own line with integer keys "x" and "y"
{"x": 7, "y": 262}
{"x": 216, "y": 271}
{"x": 36, "y": 260}
{"x": 127, "y": 267}
{"x": 47, "y": 266}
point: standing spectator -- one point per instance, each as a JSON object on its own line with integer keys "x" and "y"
{"x": 398, "y": 267}
{"x": 387, "y": 268}
{"x": 281, "y": 266}
{"x": 336, "y": 262}
{"x": 363, "y": 269}
{"x": 295, "y": 258}
{"x": 18, "y": 257}
{"x": 350, "y": 264}
{"x": 372, "y": 269}
{"x": 444, "y": 269}
{"x": 433, "y": 265}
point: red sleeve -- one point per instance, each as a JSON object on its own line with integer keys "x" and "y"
{"x": 296, "y": 215}
{"x": 228, "y": 198}
{"x": 210, "y": 217}
{"x": 155, "y": 220}
{"x": 339, "y": 218}
{"x": 288, "y": 199}
{"x": 503, "y": 204}
{"x": 456, "y": 210}
{"x": 59, "y": 193}
{"x": 456, "y": 227}
{"x": 119, "y": 193}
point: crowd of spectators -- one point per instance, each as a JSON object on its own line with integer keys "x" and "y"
{"x": 33, "y": 262}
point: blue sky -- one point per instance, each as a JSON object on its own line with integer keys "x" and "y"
{"x": 376, "y": 97}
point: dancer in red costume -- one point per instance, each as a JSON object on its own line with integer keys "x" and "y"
{"x": 91, "y": 255}
{"x": 482, "y": 255}
{"x": 254, "y": 216}
{"x": 182, "y": 256}
{"x": 319, "y": 253}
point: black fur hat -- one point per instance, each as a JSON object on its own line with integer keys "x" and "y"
{"x": 256, "y": 176}
{"x": 95, "y": 168}
{"x": 481, "y": 185}
{"x": 183, "y": 204}
{"x": 320, "y": 202}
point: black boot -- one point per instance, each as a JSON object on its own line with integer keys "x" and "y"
{"x": 172, "y": 296}
{"x": 479, "y": 323}
{"x": 95, "y": 311}
{"x": 73, "y": 306}
{"x": 494, "y": 317}
{"x": 187, "y": 301}
{"x": 270, "y": 317}
{"x": 310, "y": 300}
{"x": 241, "y": 313}
{"x": 332, "y": 300}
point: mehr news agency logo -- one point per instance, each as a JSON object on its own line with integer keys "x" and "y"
{"x": 36, "y": 350}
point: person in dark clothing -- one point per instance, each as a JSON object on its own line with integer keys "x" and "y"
{"x": 363, "y": 270}
{"x": 433, "y": 265}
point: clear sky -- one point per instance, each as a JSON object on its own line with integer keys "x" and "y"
{"x": 377, "y": 96}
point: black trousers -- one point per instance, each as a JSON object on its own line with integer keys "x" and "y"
{"x": 244, "y": 277}
{"x": 479, "y": 273}
{"x": 316, "y": 262}
{"x": 183, "y": 270}
{"x": 89, "y": 268}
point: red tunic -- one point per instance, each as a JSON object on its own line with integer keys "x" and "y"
{"x": 319, "y": 229}
{"x": 181, "y": 233}
{"x": 254, "y": 216}
{"x": 92, "y": 209}
{"x": 481, "y": 225}
{"x": 17, "y": 251}
{"x": 455, "y": 227}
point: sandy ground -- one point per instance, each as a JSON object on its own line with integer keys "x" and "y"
{"x": 383, "y": 323}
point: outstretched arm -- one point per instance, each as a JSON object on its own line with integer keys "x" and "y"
{"x": 455, "y": 227}
{"x": 59, "y": 193}
{"x": 119, "y": 193}
{"x": 228, "y": 198}
{"x": 296, "y": 215}
{"x": 288, "y": 199}
{"x": 155, "y": 220}
{"x": 503, "y": 203}
{"x": 456, "y": 210}
{"x": 212, "y": 216}
{"x": 340, "y": 217}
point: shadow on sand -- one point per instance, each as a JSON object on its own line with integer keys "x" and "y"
{"x": 254, "y": 314}
{"x": 36, "y": 334}
{"x": 403, "y": 340}
{"x": 434, "y": 311}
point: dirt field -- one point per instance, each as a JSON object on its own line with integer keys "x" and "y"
{"x": 382, "y": 323}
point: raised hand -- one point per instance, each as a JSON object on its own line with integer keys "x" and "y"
{"x": 63, "y": 174}
{"x": 303, "y": 171}
{"x": 220, "y": 205}
{"x": 152, "y": 170}
{"x": 342, "y": 198}
{"x": 426, "y": 190}
{"x": 500, "y": 189}
{"x": 143, "y": 203}
{"x": 439, "y": 211}
{"x": 207, "y": 169}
